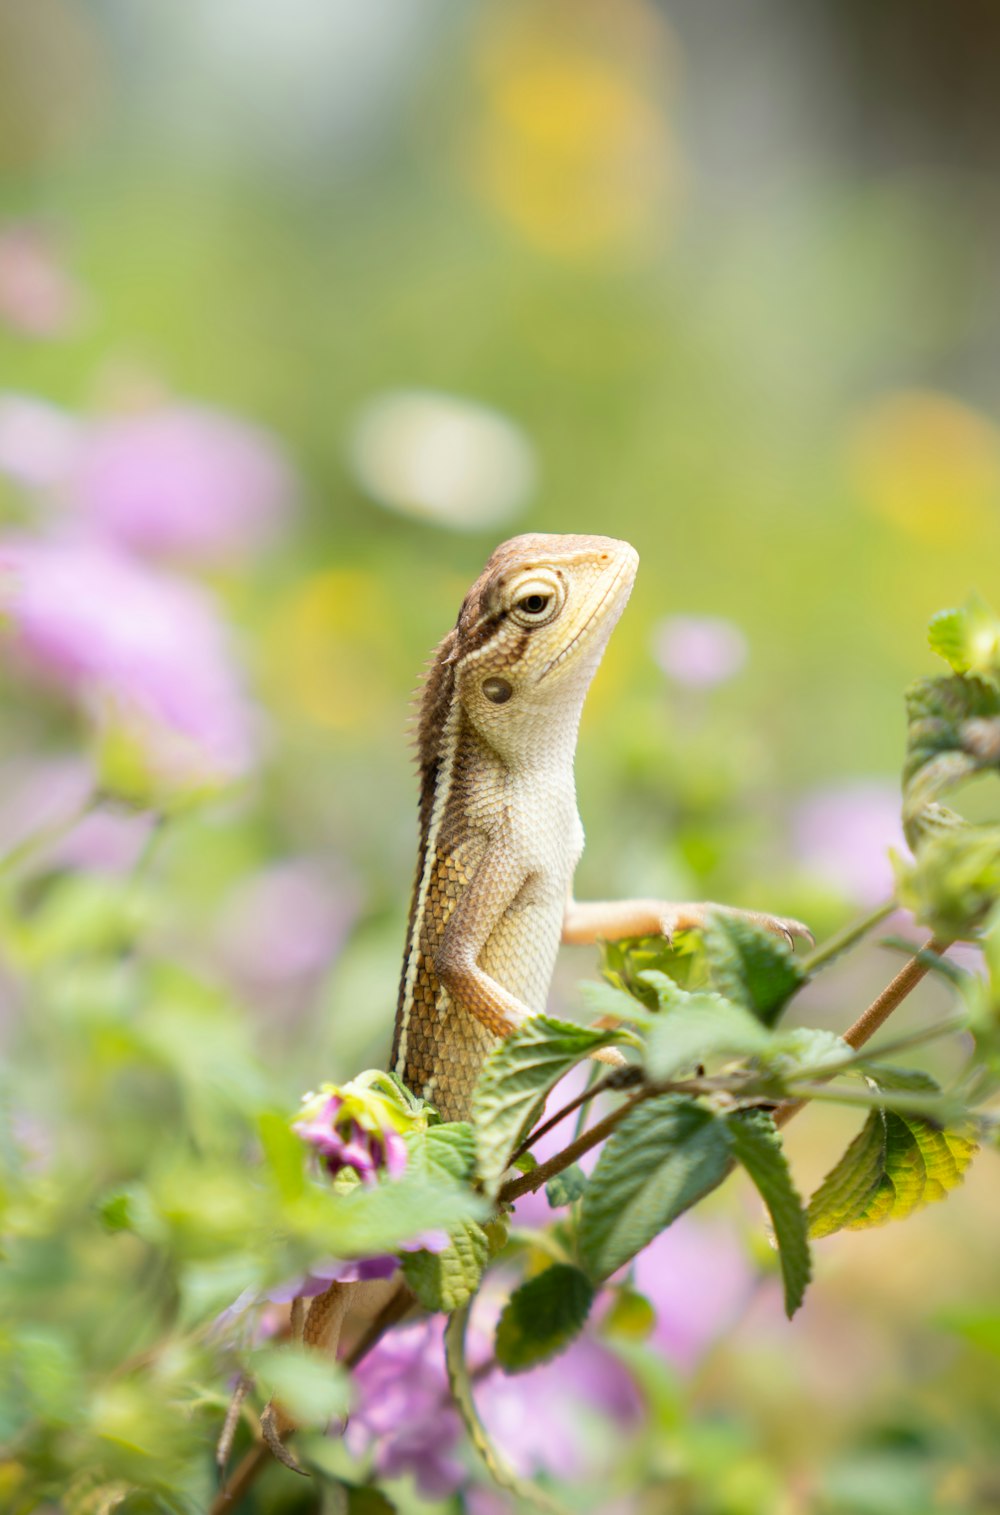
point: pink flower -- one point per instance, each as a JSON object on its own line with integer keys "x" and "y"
{"x": 43, "y": 795}
{"x": 184, "y": 480}
{"x": 843, "y": 833}
{"x": 699, "y": 651}
{"x": 543, "y": 1421}
{"x": 37, "y": 296}
{"x": 281, "y": 928}
{"x": 139, "y": 648}
{"x": 698, "y": 1279}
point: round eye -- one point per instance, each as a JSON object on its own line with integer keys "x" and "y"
{"x": 534, "y": 604}
{"x": 536, "y": 600}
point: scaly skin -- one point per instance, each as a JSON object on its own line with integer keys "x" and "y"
{"x": 500, "y": 836}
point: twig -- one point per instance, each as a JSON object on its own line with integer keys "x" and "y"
{"x": 842, "y": 940}
{"x": 619, "y": 1079}
{"x": 879, "y": 1011}
{"x": 526, "y": 1183}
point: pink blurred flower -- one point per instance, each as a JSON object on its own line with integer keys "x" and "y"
{"x": 842, "y": 834}
{"x": 543, "y": 1421}
{"x": 38, "y": 298}
{"x": 699, "y": 651}
{"x": 137, "y": 647}
{"x": 184, "y": 480}
{"x": 43, "y": 795}
{"x": 38, "y": 442}
{"x": 282, "y": 928}
{"x": 698, "y": 1278}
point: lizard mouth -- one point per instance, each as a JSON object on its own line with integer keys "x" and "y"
{"x": 597, "y": 614}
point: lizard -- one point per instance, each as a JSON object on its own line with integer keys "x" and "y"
{"x": 500, "y": 838}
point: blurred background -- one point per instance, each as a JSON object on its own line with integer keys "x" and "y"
{"x": 302, "y": 309}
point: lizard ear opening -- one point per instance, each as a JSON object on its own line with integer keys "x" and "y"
{"x": 497, "y": 690}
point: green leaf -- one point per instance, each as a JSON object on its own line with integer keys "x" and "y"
{"x": 666, "y": 1154}
{"x": 448, "y": 1148}
{"x": 311, "y": 1387}
{"x": 757, "y": 1146}
{"x": 968, "y": 638}
{"x": 703, "y": 1025}
{"x": 284, "y": 1153}
{"x": 625, "y": 963}
{"x": 898, "y": 1163}
{"x": 751, "y": 966}
{"x": 367, "y": 1221}
{"x": 631, "y": 1315}
{"x": 953, "y": 734}
{"x": 542, "y": 1317}
{"x": 515, "y": 1079}
{"x": 444, "y": 1280}
{"x": 802, "y": 1051}
{"x": 954, "y": 883}
{"x": 566, "y": 1187}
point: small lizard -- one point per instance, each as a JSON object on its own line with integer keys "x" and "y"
{"x": 500, "y": 838}
{"x": 500, "y": 835}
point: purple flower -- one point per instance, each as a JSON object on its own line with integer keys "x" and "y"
{"x": 356, "y": 1126}
{"x": 842, "y": 834}
{"x": 543, "y": 1421}
{"x": 44, "y": 795}
{"x": 698, "y": 1279}
{"x": 699, "y": 651}
{"x": 143, "y": 651}
{"x": 37, "y": 296}
{"x": 183, "y": 481}
{"x": 281, "y": 929}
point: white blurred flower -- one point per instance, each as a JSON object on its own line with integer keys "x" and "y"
{"x": 699, "y": 650}
{"x": 39, "y": 443}
{"x": 450, "y": 460}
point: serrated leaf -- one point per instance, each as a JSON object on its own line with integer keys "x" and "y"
{"x": 515, "y": 1079}
{"x": 968, "y": 638}
{"x": 802, "y": 1051}
{"x": 666, "y": 1154}
{"x": 444, "y": 1280}
{"x": 448, "y": 1148}
{"x": 898, "y": 1163}
{"x": 542, "y": 1317}
{"x": 757, "y": 1146}
{"x": 700, "y": 1027}
{"x": 566, "y": 1187}
{"x": 751, "y": 966}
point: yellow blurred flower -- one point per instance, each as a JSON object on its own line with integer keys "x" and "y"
{"x": 326, "y": 649}
{"x": 928, "y": 463}
{"x": 572, "y": 146}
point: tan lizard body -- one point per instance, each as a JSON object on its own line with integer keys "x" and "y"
{"x": 500, "y": 838}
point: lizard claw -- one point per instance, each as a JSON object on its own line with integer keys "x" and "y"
{"x": 269, "y": 1430}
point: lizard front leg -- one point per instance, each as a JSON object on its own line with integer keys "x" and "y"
{"x": 611, "y": 920}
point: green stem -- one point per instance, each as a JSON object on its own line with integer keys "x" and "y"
{"x": 842, "y": 941}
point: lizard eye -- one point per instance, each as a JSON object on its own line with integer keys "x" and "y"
{"x": 537, "y": 600}
{"x": 534, "y": 604}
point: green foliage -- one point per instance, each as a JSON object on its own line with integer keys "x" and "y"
{"x": 542, "y": 1317}
{"x": 696, "y": 1027}
{"x": 968, "y": 638}
{"x": 757, "y": 1147}
{"x": 566, "y": 1187}
{"x": 664, "y": 1156}
{"x": 953, "y": 735}
{"x": 308, "y": 1385}
{"x": 953, "y": 885}
{"x": 751, "y": 966}
{"x": 515, "y": 1079}
{"x": 446, "y": 1279}
{"x": 898, "y": 1163}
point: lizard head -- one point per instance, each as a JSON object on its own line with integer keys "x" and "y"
{"x": 532, "y": 631}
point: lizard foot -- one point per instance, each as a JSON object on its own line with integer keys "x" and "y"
{"x": 696, "y": 917}
{"x": 272, "y": 1425}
